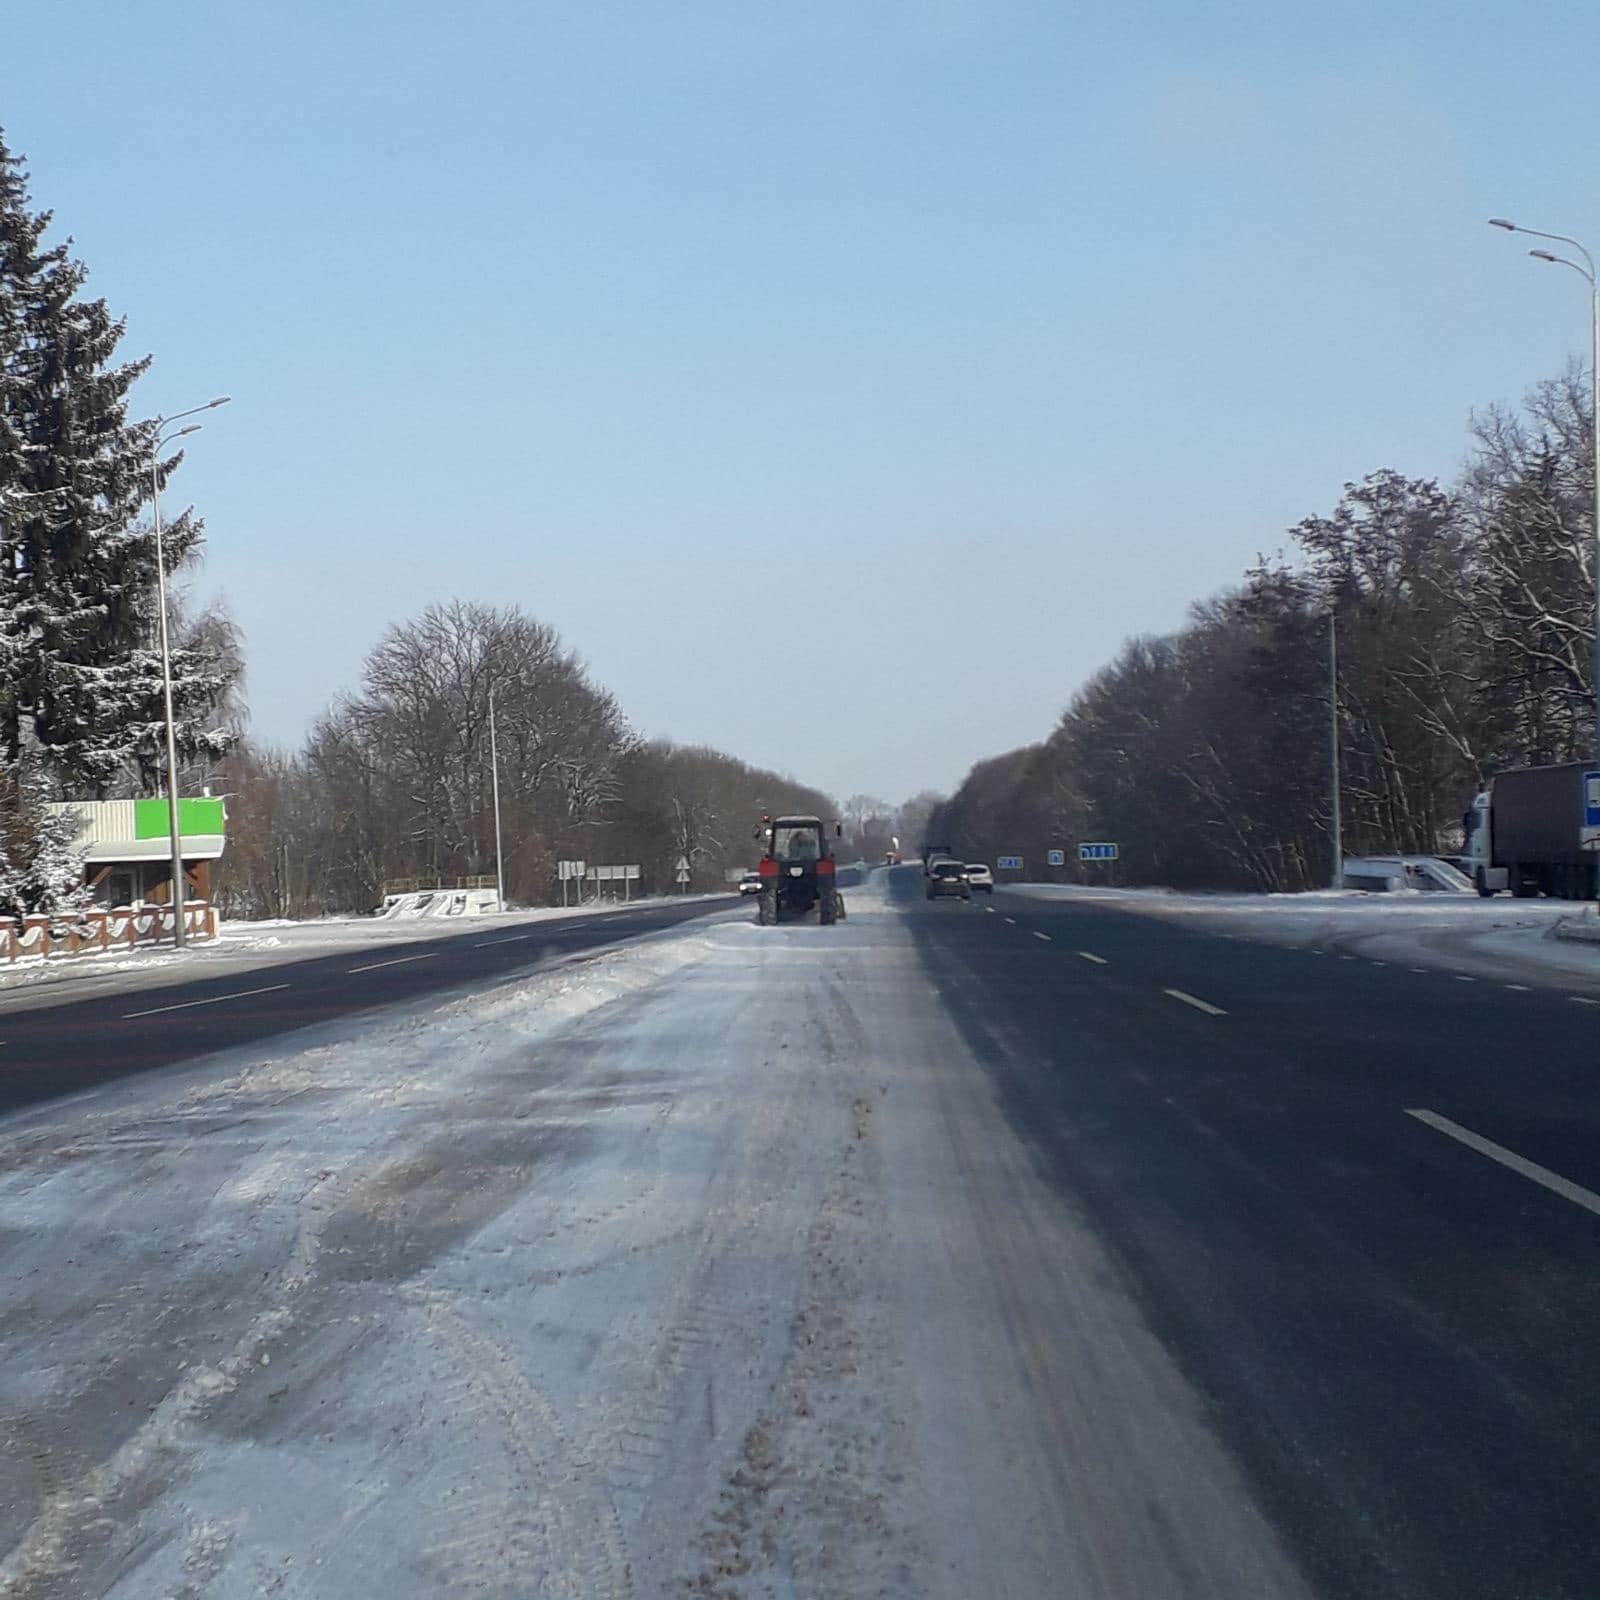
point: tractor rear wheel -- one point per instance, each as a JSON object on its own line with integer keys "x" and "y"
{"x": 767, "y": 908}
{"x": 827, "y": 908}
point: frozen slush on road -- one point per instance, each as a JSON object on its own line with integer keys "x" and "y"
{"x": 708, "y": 1267}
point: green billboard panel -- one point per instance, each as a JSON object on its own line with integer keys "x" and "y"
{"x": 194, "y": 817}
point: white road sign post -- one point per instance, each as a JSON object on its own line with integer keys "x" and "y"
{"x": 683, "y": 873}
{"x": 566, "y": 870}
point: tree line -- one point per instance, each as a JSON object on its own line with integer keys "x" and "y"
{"x": 392, "y": 783}
{"x": 395, "y": 782}
{"x": 1464, "y": 617}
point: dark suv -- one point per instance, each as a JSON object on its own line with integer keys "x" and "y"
{"x": 946, "y": 879}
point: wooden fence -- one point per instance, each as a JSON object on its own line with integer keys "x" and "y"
{"x": 122, "y": 927}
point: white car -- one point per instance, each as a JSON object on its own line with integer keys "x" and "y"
{"x": 980, "y": 877}
{"x": 750, "y": 883}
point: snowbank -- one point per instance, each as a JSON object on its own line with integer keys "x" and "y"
{"x": 1452, "y": 931}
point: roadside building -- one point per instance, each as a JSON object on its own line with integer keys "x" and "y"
{"x": 127, "y": 848}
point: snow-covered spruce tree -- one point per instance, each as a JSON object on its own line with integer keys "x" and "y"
{"x": 81, "y": 685}
{"x": 39, "y": 869}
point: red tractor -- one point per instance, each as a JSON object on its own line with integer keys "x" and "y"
{"x": 798, "y": 871}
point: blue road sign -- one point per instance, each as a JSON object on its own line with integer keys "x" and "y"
{"x": 1057, "y": 858}
{"x": 1591, "y": 799}
{"x": 1097, "y": 852}
{"x": 1009, "y": 863}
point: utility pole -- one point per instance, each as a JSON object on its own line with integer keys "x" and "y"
{"x": 494, "y": 778}
{"x": 158, "y": 441}
{"x": 1333, "y": 748}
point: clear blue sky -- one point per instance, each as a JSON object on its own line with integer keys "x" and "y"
{"x": 1038, "y": 320}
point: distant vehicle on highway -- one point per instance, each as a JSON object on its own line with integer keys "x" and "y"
{"x": 750, "y": 883}
{"x": 947, "y": 880}
{"x": 935, "y": 852}
{"x": 980, "y": 877}
{"x": 1525, "y": 834}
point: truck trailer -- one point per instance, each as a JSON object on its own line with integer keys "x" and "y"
{"x": 1526, "y": 833}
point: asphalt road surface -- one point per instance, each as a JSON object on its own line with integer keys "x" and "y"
{"x": 79, "y": 1040}
{"x": 1005, "y": 1249}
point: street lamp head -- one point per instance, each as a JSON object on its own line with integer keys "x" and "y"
{"x": 194, "y": 427}
{"x": 1500, "y": 222}
{"x": 221, "y": 400}
{"x": 1543, "y": 255}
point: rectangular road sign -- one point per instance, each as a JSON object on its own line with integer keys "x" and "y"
{"x": 1589, "y": 836}
{"x": 569, "y": 869}
{"x": 1009, "y": 863}
{"x": 1097, "y": 852}
{"x": 1056, "y": 858}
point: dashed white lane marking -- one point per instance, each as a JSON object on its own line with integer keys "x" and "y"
{"x": 510, "y": 938}
{"x": 210, "y": 1000}
{"x": 1199, "y": 1004}
{"x": 1582, "y": 1000}
{"x": 396, "y": 961}
{"x": 1012, "y": 921}
{"x": 1347, "y": 958}
{"x": 1421, "y": 970}
{"x": 1044, "y": 936}
{"x": 1376, "y": 962}
{"x": 1461, "y": 977}
{"x": 1519, "y": 988}
{"x": 1316, "y": 952}
{"x": 989, "y": 909}
{"x": 1531, "y": 1170}
{"x": 1089, "y": 955}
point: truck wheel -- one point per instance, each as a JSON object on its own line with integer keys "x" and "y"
{"x": 767, "y": 907}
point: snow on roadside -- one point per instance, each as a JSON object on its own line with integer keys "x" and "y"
{"x": 197, "y": 1208}
{"x": 1459, "y": 932}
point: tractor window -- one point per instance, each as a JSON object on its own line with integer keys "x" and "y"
{"x": 795, "y": 844}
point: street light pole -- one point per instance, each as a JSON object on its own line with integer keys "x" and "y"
{"x": 494, "y": 778}
{"x": 1587, "y": 272}
{"x": 158, "y": 441}
{"x": 1337, "y": 828}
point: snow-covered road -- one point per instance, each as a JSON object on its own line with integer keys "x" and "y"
{"x": 711, "y": 1267}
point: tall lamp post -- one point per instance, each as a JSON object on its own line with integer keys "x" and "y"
{"x": 1585, "y": 270}
{"x": 494, "y": 776}
{"x": 1337, "y": 815}
{"x": 159, "y": 440}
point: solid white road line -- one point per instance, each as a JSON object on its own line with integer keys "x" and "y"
{"x": 1543, "y": 1176}
{"x": 1044, "y": 936}
{"x": 398, "y": 961}
{"x": 213, "y": 1000}
{"x": 510, "y": 938}
{"x": 1199, "y": 1005}
{"x": 1089, "y": 955}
